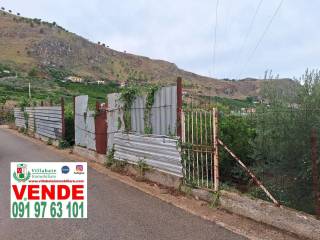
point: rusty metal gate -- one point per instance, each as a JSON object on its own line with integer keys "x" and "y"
{"x": 199, "y": 148}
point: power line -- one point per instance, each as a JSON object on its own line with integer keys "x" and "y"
{"x": 215, "y": 38}
{"x": 244, "y": 43}
{"x": 229, "y": 16}
{"x": 229, "y": 20}
{"x": 262, "y": 36}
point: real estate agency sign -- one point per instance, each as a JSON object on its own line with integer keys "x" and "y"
{"x": 48, "y": 190}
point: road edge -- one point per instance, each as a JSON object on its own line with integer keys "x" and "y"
{"x": 237, "y": 224}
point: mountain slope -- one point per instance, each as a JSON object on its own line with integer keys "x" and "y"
{"x": 27, "y": 43}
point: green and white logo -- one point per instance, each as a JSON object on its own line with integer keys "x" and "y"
{"x": 21, "y": 174}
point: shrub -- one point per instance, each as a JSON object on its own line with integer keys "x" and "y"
{"x": 110, "y": 158}
{"x": 33, "y": 72}
{"x": 69, "y": 128}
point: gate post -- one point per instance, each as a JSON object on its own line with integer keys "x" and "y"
{"x": 215, "y": 149}
{"x": 106, "y": 124}
{"x": 100, "y": 130}
{"x": 179, "y": 107}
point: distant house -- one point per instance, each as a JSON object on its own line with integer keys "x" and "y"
{"x": 245, "y": 111}
{"x": 75, "y": 79}
{"x": 123, "y": 84}
{"x": 251, "y": 110}
{"x": 99, "y": 82}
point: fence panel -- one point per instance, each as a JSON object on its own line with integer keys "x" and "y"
{"x": 84, "y": 124}
{"x": 164, "y": 111}
{"x": 156, "y": 149}
{"x": 91, "y": 132}
{"x": 163, "y": 115}
{"x": 48, "y": 121}
{"x": 45, "y": 121}
{"x": 158, "y": 152}
{"x": 115, "y": 120}
{"x": 80, "y": 132}
{"x": 19, "y": 118}
{"x": 31, "y": 118}
{"x": 137, "y": 114}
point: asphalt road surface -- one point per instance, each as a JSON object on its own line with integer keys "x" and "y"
{"x": 115, "y": 210}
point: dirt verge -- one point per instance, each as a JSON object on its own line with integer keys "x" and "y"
{"x": 237, "y": 224}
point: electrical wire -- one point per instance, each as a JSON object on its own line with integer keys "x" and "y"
{"x": 264, "y": 33}
{"x": 215, "y": 39}
{"x": 245, "y": 40}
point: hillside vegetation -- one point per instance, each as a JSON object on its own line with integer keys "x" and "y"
{"x": 31, "y": 45}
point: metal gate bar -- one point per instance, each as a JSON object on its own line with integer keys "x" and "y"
{"x": 199, "y": 134}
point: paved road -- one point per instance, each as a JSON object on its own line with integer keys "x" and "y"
{"x": 115, "y": 210}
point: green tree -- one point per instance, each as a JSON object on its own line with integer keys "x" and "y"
{"x": 282, "y": 145}
{"x": 237, "y": 132}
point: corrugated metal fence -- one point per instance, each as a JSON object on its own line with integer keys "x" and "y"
{"x": 46, "y": 121}
{"x": 84, "y": 124}
{"x": 157, "y": 151}
{"x": 19, "y": 118}
{"x": 164, "y": 112}
{"x": 163, "y": 115}
{"x": 115, "y": 120}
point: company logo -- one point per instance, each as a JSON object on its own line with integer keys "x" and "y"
{"x": 79, "y": 169}
{"x": 21, "y": 174}
{"x": 65, "y": 169}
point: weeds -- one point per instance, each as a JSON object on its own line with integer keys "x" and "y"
{"x": 215, "y": 199}
{"x": 147, "y": 112}
{"x": 128, "y": 95}
{"x": 110, "y": 158}
{"x": 118, "y": 166}
{"x": 63, "y": 144}
{"x": 143, "y": 167}
{"x": 49, "y": 142}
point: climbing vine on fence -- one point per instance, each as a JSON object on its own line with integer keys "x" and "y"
{"x": 26, "y": 119}
{"x": 151, "y": 91}
{"x": 128, "y": 95}
{"x": 24, "y": 102}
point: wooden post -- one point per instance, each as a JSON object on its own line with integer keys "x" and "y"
{"x": 62, "y": 119}
{"x": 100, "y": 130}
{"x": 215, "y": 149}
{"x": 107, "y": 135}
{"x": 244, "y": 167}
{"x": 51, "y": 103}
{"x": 97, "y": 106}
{"x": 315, "y": 177}
{"x": 41, "y": 103}
{"x": 179, "y": 107}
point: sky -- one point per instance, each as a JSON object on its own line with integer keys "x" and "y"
{"x": 186, "y": 32}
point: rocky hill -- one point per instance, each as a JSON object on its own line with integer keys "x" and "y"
{"x": 31, "y": 43}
